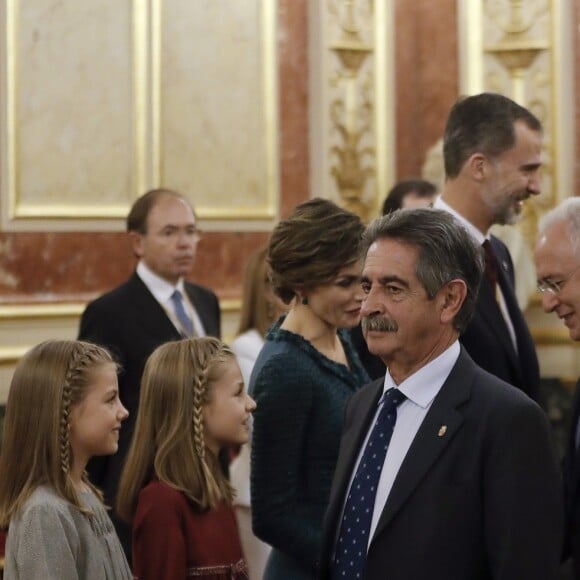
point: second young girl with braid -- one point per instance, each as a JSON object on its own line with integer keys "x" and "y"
{"x": 193, "y": 403}
{"x": 63, "y": 408}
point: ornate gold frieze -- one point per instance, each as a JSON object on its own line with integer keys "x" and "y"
{"x": 352, "y": 152}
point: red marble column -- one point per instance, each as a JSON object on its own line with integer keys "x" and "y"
{"x": 427, "y": 73}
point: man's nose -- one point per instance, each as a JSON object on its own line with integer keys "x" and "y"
{"x": 549, "y": 301}
{"x": 184, "y": 239}
{"x": 535, "y": 183}
{"x": 371, "y": 304}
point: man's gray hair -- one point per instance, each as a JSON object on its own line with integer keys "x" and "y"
{"x": 569, "y": 213}
{"x": 446, "y": 251}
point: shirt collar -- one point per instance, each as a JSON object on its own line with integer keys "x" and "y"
{"x": 471, "y": 229}
{"x": 160, "y": 288}
{"x": 424, "y": 385}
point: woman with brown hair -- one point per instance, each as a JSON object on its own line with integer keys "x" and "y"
{"x": 302, "y": 379}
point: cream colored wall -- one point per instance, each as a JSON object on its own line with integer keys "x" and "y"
{"x": 21, "y": 328}
{"x": 103, "y": 100}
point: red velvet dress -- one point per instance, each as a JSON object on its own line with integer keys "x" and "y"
{"x": 172, "y": 541}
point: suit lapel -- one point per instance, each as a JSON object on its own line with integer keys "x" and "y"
{"x": 431, "y": 440}
{"x": 150, "y": 313}
{"x": 491, "y": 315}
{"x": 351, "y": 443}
{"x": 355, "y": 434}
{"x": 574, "y": 452}
{"x": 200, "y": 307}
{"x": 523, "y": 337}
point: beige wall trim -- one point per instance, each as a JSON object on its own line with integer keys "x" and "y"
{"x": 351, "y": 98}
{"x": 552, "y": 337}
{"x": 41, "y": 311}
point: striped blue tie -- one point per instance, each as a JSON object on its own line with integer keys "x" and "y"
{"x": 351, "y": 546}
{"x": 184, "y": 320}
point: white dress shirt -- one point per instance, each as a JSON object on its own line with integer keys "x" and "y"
{"x": 162, "y": 291}
{"x": 479, "y": 239}
{"x": 420, "y": 388}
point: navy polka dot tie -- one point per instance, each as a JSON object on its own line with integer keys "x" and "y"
{"x": 351, "y": 546}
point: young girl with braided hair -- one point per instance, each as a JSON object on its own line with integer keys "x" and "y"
{"x": 192, "y": 404}
{"x": 63, "y": 407}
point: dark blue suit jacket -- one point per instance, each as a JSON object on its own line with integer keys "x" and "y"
{"x": 480, "y": 500}
{"x": 132, "y": 324}
{"x": 487, "y": 339}
{"x": 572, "y": 487}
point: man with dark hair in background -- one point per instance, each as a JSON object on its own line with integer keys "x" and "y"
{"x": 409, "y": 194}
{"x": 156, "y": 305}
{"x": 492, "y": 154}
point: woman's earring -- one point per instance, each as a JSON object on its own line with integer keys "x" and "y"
{"x": 304, "y": 301}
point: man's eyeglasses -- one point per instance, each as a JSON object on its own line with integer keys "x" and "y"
{"x": 555, "y": 287}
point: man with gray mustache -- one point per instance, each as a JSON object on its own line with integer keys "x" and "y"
{"x": 379, "y": 323}
{"x": 444, "y": 471}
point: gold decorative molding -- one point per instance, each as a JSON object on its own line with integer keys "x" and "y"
{"x": 553, "y": 337}
{"x": 24, "y": 325}
{"x": 351, "y": 111}
{"x": 267, "y": 209}
{"x": 20, "y": 214}
{"x": 75, "y": 309}
{"x": 41, "y": 311}
{"x": 352, "y": 69}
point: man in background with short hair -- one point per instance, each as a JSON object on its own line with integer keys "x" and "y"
{"x": 156, "y": 305}
{"x": 492, "y": 153}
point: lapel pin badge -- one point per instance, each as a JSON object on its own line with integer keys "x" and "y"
{"x": 442, "y": 430}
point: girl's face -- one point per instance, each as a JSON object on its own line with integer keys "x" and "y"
{"x": 338, "y": 304}
{"x": 227, "y": 416}
{"x": 95, "y": 421}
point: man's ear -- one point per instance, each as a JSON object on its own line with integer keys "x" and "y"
{"x": 476, "y": 166}
{"x": 136, "y": 243}
{"x": 451, "y": 299}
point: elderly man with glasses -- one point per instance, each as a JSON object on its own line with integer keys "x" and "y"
{"x": 557, "y": 256}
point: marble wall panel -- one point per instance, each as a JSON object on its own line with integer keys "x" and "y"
{"x": 69, "y": 94}
{"x": 216, "y": 102}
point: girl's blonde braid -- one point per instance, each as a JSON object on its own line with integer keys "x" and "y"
{"x": 199, "y": 395}
{"x": 67, "y": 395}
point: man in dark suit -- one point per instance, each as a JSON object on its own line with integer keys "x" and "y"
{"x": 141, "y": 314}
{"x": 492, "y": 154}
{"x": 445, "y": 472}
{"x": 557, "y": 257}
